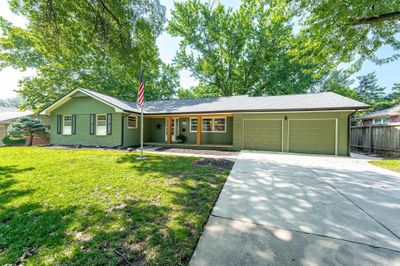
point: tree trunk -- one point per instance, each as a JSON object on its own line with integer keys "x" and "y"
{"x": 378, "y": 18}
{"x": 30, "y": 140}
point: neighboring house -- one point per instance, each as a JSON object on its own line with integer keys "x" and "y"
{"x": 390, "y": 116}
{"x": 309, "y": 123}
{"x": 9, "y": 115}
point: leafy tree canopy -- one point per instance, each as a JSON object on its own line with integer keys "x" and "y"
{"x": 27, "y": 127}
{"x": 391, "y": 99}
{"x": 368, "y": 90}
{"x": 96, "y": 44}
{"x": 11, "y": 102}
{"x": 339, "y": 82}
{"x": 334, "y": 31}
{"x": 239, "y": 52}
{"x": 395, "y": 92}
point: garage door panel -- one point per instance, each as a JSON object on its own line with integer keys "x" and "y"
{"x": 312, "y": 136}
{"x": 262, "y": 135}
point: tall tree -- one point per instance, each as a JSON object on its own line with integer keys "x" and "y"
{"x": 11, "y": 102}
{"x": 395, "y": 92}
{"x": 338, "y": 82}
{"x": 166, "y": 84}
{"x": 332, "y": 31}
{"x": 96, "y": 44}
{"x": 239, "y": 52}
{"x": 391, "y": 99}
{"x": 368, "y": 90}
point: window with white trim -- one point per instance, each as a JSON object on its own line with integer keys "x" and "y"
{"x": 67, "y": 125}
{"x": 101, "y": 125}
{"x": 219, "y": 124}
{"x": 384, "y": 120}
{"x": 209, "y": 124}
{"x": 132, "y": 121}
{"x": 193, "y": 124}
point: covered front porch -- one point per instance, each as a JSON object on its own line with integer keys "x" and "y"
{"x": 211, "y": 130}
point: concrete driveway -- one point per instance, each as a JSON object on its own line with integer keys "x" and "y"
{"x": 287, "y": 209}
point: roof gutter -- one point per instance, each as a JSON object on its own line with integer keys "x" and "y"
{"x": 259, "y": 111}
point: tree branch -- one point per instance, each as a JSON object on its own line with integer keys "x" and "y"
{"x": 378, "y": 18}
{"x": 109, "y": 12}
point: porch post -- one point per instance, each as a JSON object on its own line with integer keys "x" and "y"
{"x": 199, "y": 128}
{"x": 169, "y": 131}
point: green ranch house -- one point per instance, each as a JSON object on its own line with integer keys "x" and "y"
{"x": 306, "y": 123}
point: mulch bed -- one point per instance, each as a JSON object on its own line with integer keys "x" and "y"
{"x": 198, "y": 151}
{"x": 216, "y": 163}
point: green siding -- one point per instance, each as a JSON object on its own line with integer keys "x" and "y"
{"x": 312, "y": 136}
{"x": 262, "y": 134}
{"x": 154, "y": 130}
{"x": 131, "y": 135}
{"x": 261, "y": 131}
{"x": 82, "y": 107}
{"x": 207, "y": 137}
{"x": 239, "y": 140}
{"x": 154, "y": 134}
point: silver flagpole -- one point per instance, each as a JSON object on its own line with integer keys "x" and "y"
{"x": 141, "y": 131}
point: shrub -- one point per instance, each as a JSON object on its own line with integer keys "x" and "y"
{"x": 181, "y": 138}
{"x": 13, "y": 142}
{"x": 27, "y": 127}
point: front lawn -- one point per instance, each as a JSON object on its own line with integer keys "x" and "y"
{"x": 391, "y": 164}
{"x": 92, "y": 207}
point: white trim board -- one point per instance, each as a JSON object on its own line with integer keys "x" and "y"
{"x": 307, "y": 119}
{"x": 247, "y": 113}
{"x": 136, "y": 122}
{"x": 255, "y": 119}
{"x": 291, "y": 112}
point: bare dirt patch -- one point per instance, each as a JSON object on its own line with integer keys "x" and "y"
{"x": 216, "y": 163}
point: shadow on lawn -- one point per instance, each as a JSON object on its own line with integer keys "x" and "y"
{"x": 26, "y": 227}
{"x": 7, "y": 180}
{"x": 29, "y": 227}
{"x": 135, "y": 231}
{"x": 11, "y": 170}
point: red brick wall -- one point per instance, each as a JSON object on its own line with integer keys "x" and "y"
{"x": 38, "y": 141}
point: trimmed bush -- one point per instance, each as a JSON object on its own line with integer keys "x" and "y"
{"x": 13, "y": 142}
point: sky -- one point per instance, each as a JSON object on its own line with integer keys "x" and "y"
{"x": 387, "y": 74}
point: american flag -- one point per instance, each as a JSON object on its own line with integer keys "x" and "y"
{"x": 140, "y": 98}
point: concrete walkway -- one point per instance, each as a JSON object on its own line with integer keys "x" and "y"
{"x": 287, "y": 209}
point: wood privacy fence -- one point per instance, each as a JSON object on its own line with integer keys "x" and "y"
{"x": 376, "y": 139}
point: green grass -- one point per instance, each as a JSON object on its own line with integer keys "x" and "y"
{"x": 391, "y": 164}
{"x": 101, "y": 207}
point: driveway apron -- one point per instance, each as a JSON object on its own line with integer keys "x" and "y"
{"x": 290, "y": 209}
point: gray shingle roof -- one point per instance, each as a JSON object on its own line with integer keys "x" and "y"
{"x": 395, "y": 110}
{"x": 124, "y": 105}
{"x": 297, "y": 102}
{"x": 7, "y": 113}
